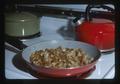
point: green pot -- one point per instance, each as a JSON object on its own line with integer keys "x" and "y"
{"x": 20, "y": 24}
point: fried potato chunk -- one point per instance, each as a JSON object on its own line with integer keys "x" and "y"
{"x": 60, "y": 57}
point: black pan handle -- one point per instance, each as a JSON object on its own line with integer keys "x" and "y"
{"x": 16, "y": 43}
{"x": 90, "y": 6}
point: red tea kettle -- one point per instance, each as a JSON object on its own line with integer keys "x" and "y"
{"x": 98, "y": 32}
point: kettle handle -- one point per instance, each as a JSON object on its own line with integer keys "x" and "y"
{"x": 90, "y": 6}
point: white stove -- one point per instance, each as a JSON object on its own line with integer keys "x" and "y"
{"x": 105, "y": 67}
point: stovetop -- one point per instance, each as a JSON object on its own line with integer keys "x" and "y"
{"x": 50, "y": 30}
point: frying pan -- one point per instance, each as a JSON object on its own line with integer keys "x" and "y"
{"x": 91, "y": 50}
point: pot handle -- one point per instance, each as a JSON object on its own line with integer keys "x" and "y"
{"x": 90, "y": 6}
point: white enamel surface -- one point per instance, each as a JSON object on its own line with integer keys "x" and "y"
{"x": 111, "y": 74}
{"x": 11, "y": 72}
{"x": 14, "y": 75}
{"x": 103, "y": 66}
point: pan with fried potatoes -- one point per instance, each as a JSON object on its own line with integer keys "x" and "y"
{"x": 61, "y": 58}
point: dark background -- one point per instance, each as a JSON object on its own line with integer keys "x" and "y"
{"x": 117, "y": 40}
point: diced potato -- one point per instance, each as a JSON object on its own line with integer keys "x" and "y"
{"x": 60, "y": 57}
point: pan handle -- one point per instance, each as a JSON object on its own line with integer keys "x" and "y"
{"x": 16, "y": 43}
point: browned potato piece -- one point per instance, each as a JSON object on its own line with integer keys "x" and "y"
{"x": 60, "y": 57}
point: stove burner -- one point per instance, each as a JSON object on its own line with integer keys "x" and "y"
{"x": 79, "y": 76}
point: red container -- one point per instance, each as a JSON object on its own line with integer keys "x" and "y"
{"x": 98, "y": 32}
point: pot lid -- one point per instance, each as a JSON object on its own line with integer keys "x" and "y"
{"x": 20, "y": 16}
